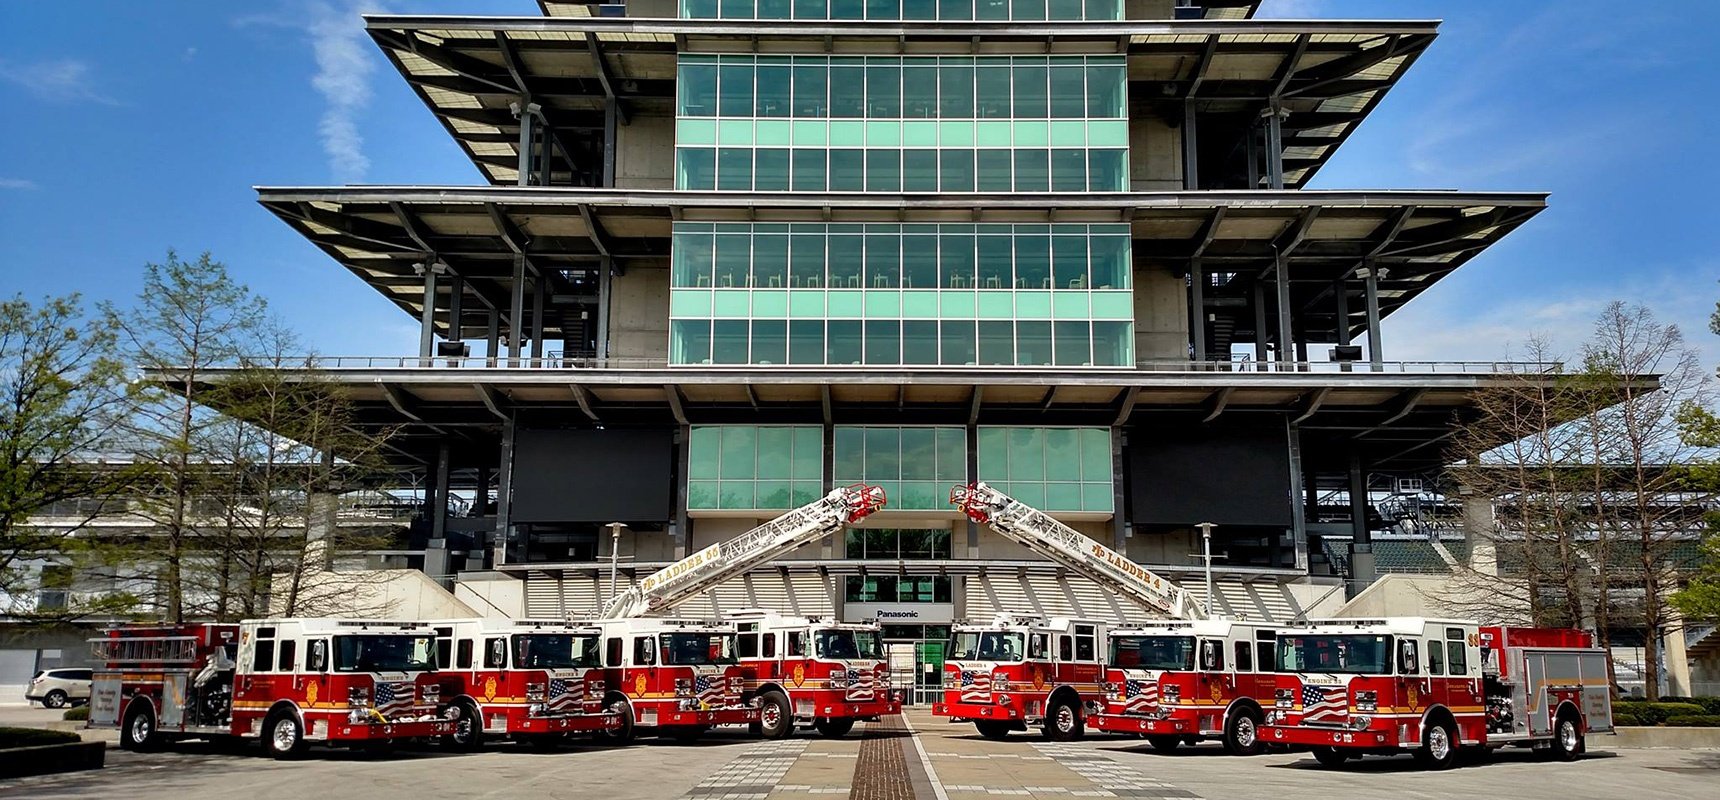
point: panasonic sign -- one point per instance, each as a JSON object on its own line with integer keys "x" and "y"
{"x": 900, "y": 613}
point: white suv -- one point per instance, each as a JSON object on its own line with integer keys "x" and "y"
{"x": 58, "y": 688}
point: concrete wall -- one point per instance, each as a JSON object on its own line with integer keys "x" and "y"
{"x": 1155, "y": 155}
{"x": 492, "y": 594}
{"x": 1161, "y": 314}
{"x": 645, "y": 153}
{"x": 375, "y": 594}
{"x": 639, "y": 314}
{"x": 653, "y": 9}
{"x": 1162, "y": 548}
{"x": 1148, "y": 9}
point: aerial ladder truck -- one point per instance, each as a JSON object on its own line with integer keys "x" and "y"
{"x": 1022, "y": 671}
{"x": 683, "y": 676}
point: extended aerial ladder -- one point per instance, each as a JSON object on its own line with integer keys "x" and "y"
{"x": 1038, "y": 532}
{"x": 698, "y": 572}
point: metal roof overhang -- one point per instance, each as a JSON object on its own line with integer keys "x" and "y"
{"x": 382, "y": 233}
{"x": 1327, "y": 75}
{"x": 1212, "y": 9}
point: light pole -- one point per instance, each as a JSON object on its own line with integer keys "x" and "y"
{"x": 1206, "y": 553}
{"x": 614, "y": 555}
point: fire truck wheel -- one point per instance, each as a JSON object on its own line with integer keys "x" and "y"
{"x": 1330, "y": 756}
{"x": 1438, "y": 746}
{"x": 1567, "y": 737}
{"x": 55, "y": 699}
{"x": 138, "y": 731}
{"x": 1063, "y": 722}
{"x": 282, "y": 736}
{"x": 1242, "y": 732}
{"x": 468, "y": 735}
{"x": 834, "y": 728}
{"x": 775, "y": 715}
{"x": 995, "y": 731}
{"x": 619, "y": 706}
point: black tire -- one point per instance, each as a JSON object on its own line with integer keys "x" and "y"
{"x": 1567, "y": 737}
{"x": 834, "y": 728}
{"x": 623, "y": 734}
{"x": 1330, "y": 756}
{"x": 137, "y": 732}
{"x": 283, "y": 736}
{"x": 993, "y": 730}
{"x": 1242, "y": 732}
{"x": 775, "y": 715}
{"x": 1439, "y": 746}
{"x": 468, "y": 735}
{"x": 1164, "y": 743}
{"x": 54, "y": 699}
{"x": 1063, "y": 722}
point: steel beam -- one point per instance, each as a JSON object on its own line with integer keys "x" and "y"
{"x": 673, "y": 395}
{"x": 1371, "y": 291}
{"x": 517, "y": 308}
{"x": 427, "y": 316}
{"x": 1216, "y": 403}
{"x": 1281, "y": 282}
{"x": 583, "y": 397}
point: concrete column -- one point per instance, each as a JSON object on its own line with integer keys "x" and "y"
{"x": 1341, "y": 299}
{"x": 1281, "y": 285}
{"x": 537, "y": 319}
{"x": 517, "y": 310}
{"x": 1119, "y": 490}
{"x": 605, "y": 288}
{"x": 611, "y": 121}
{"x": 524, "y": 114}
{"x": 828, "y": 475}
{"x": 492, "y": 336}
{"x": 1191, "y": 149}
{"x": 504, "y": 497}
{"x": 1197, "y": 308}
{"x": 1677, "y": 658}
{"x": 1361, "y": 546}
{"x": 1274, "y": 148}
{"x": 1259, "y": 324}
{"x": 1371, "y": 288}
{"x": 682, "y": 536}
{"x": 436, "y": 506}
{"x": 321, "y": 515}
{"x": 456, "y": 307}
{"x": 1298, "y": 516}
{"x": 427, "y": 316}
{"x": 1481, "y": 529}
{"x": 972, "y": 477}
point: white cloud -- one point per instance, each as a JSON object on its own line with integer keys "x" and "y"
{"x": 61, "y": 80}
{"x": 344, "y": 65}
{"x": 17, "y": 183}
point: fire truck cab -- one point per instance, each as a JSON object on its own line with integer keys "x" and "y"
{"x": 534, "y": 680}
{"x": 1181, "y": 681}
{"x": 1022, "y": 671}
{"x": 1436, "y": 687}
{"x": 288, "y": 682}
{"x": 679, "y": 677}
{"x": 811, "y": 670}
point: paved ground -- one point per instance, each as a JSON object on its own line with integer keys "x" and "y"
{"x": 916, "y": 758}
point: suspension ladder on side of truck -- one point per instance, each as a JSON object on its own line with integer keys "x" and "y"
{"x": 1037, "y": 531}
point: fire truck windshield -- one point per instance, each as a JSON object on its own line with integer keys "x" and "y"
{"x": 698, "y": 648}
{"x": 383, "y": 653}
{"x": 846, "y": 643}
{"x": 987, "y": 646}
{"x": 1153, "y": 652}
{"x": 555, "y": 651}
{"x": 1352, "y": 654}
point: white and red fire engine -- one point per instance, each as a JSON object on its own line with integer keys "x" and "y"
{"x": 683, "y": 676}
{"x": 534, "y": 680}
{"x": 1436, "y": 688}
{"x": 288, "y": 682}
{"x": 807, "y": 669}
{"x": 1022, "y": 671}
{"x": 1178, "y": 681}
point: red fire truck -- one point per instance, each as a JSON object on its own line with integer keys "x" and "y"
{"x": 1022, "y": 671}
{"x": 679, "y": 677}
{"x": 288, "y": 682}
{"x": 535, "y": 680}
{"x": 1437, "y": 688}
{"x": 806, "y": 669}
{"x": 1180, "y": 681}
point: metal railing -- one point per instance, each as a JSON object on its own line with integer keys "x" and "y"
{"x": 643, "y": 364}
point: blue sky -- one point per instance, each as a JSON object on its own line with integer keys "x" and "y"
{"x": 135, "y": 127}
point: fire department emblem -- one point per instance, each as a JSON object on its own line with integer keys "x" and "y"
{"x": 1038, "y": 678}
{"x": 1414, "y": 696}
{"x": 799, "y": 675}
{"x": 310, "y": 694}
{"x": 1216, "y": 693}
{"x": 639, "y": 686}
{"x": 489, "y": 689}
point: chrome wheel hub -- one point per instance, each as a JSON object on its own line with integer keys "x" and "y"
{"x": 140, "y": 728}
{"x": 771, "y": 716}
{"x": 1065, "y": 719}
{"x": 1245, "y": 732}
{"x": 1568, "y": 735}
{"x": 286, "y": 731}
{"x": 1438, "y": 743}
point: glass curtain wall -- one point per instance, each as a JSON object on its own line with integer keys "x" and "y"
{"x": 1053, "y": 469}
{"x": 902, "y": 124}
{"x": 748, "y": 467}
{"x": 905, "y": 10}
{"x": 915, "y": 465}
{"x": 901, "y": 295}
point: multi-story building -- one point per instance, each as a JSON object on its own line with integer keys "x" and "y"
{"x": 730, "y": 253}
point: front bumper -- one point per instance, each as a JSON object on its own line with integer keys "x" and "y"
{"x": 343, "y": 731}
{"x": 1317, "y": 736}
{"x": 1135, "y": 723}
{"x": 855, "y": 709}
{"x": 971, "y": 711}
{"x": 573, "y": 723}
{"x": 707, "y": 717}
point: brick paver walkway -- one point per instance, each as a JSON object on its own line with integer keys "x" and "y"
{"x": 882, "y": 771}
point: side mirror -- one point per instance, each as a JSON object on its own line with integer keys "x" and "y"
{"x": 1407, "y": 662}
{"x": 1211, "y": 658}
{"x": 317, "y": 659}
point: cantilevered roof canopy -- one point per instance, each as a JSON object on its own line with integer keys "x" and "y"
{"x": 1326, "y": 237}
{"x": 1210, "y": 9}
{"x": 1326, "y": 75}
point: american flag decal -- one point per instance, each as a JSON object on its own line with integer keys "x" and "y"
{"x": 1139, "y": 695}
{"x": 1324, "y": 704}
{"x": 392, "y": 697}
{"x": 976, "y": 686}
{"x": 564, "y": 694}
{"x": 860, "y": 684}
{"x": 709, "y": 688}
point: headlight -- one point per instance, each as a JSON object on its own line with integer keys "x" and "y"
{"x": 1003, "y": 699}
{"x": 597, "y": 687}
{"x": 683, "y": 687}
{"x": 536, "y": 692}
{"x": 951, "y": 680}
{"x": 1108, "y": 687}
{"x": 1000, "y": 683}
{"x": 1284, "y": 698}
{"x": 1361, "y": 723}
{"x": 1172, "y": 693}
{"x": 838, "y": 677}
{"x": 431, "y": 694}
{"x": 736, "y": 684}
{"x": 1367, "y": 701}
{"x": 358, "y": 696}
